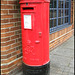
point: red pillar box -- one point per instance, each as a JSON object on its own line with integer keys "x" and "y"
{"x": 35, "y": 36}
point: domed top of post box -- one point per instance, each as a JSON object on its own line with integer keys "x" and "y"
{"x": 34, "y": 1}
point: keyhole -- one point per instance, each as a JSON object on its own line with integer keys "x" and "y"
{"x": 26, "y": 4}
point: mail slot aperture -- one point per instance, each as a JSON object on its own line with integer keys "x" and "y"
{"x": 28, "y": 8}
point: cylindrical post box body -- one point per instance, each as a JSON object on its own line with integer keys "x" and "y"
{"x": 35, "y": 36}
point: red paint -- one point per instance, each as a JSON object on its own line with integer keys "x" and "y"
{"x": 34, "y": 1}
{"x": 35, "y": 41}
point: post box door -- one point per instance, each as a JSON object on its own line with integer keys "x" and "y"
{"x": 31, "y": 36}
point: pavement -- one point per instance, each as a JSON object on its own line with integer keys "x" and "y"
{"x": 62, "y": 59}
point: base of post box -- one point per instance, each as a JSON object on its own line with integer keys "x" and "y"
{"x": 36, "y": 70}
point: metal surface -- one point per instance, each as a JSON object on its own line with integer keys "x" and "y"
{"x": 39, "y": 70}
{"x": 35, "y": 41}
{"x": 30, "y": 1}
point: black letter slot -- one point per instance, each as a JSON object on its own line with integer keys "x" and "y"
{"x": 28, "y": 8}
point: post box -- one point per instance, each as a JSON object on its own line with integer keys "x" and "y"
{"x": 35, "y": 36}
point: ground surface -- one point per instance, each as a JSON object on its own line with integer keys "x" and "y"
{"x": 62, "y": 59}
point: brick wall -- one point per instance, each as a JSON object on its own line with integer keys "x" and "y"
{"x": 11, "y": 47}
{"x": 59, "y": 37}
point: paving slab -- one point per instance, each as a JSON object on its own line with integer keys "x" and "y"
{"x": 62, "y": 58}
